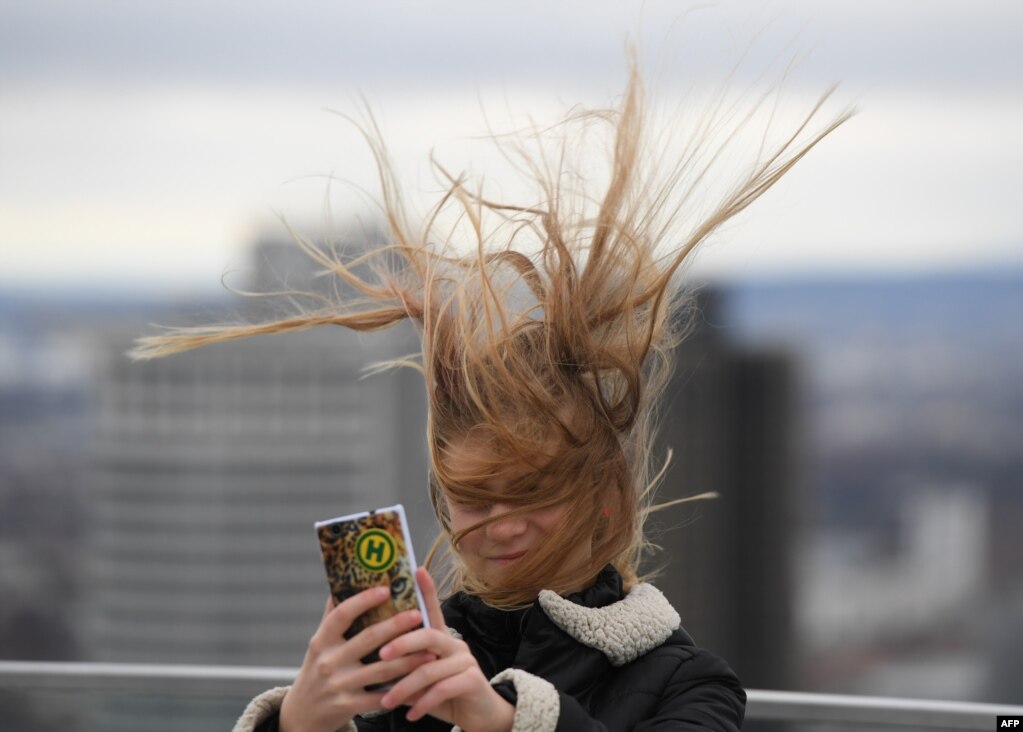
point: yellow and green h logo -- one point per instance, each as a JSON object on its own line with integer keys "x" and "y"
{"x": 376, "y": 551}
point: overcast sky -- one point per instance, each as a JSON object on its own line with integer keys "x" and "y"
{"x": 145, "y": 145}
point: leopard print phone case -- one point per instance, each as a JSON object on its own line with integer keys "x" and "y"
{"x": 371, "y": 549}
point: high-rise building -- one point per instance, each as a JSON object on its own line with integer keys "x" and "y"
{"x": 209, "y": 469}
{"x": 729, "y": 416}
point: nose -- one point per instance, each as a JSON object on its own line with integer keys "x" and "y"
{"x": 505, "y": 527}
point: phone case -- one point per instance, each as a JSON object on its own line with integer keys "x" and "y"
{"x": 371, "y": 549}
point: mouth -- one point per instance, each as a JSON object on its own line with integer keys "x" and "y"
{"x": 507, "y": 558}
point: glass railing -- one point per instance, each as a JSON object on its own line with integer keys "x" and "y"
{"x": 87, "y": 696}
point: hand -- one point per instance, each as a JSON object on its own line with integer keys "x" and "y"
{"x": 452, "y": 687}
{"x": 330, "y": 687}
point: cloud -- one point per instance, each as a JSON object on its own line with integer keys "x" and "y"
{"x": 191, "y": 116}
{"x": 444, "y": 42}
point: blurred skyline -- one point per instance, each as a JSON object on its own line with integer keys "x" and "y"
{"x": 146, "y": 148}
{"x": 898, "y": 400}
{"x": 143, "y": 147}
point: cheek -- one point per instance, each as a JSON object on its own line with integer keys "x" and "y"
{"x": 469, "y": 546}
{"x": 470, "y": 551}
{"x": 460, "y": 520}
{"x": 548, "y": 518}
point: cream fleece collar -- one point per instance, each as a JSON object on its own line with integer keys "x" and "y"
{"x": 623, "y": 631}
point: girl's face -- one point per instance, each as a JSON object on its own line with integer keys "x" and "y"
{"x": 489, "y": 551}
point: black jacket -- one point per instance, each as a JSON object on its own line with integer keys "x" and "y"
{"x": 599, "y": 659}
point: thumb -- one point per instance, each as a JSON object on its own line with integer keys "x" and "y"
{"x": 429, "y": 590}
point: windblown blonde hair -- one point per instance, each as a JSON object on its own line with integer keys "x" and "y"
{"x": 548, "y": 355}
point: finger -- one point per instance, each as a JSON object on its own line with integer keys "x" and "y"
{"x": 328, "y": 608}
{"x": 340, "y": 619}
{"x": 429, "y": 590}
{"x": 422, "y": 678}
{"x": 436, "y": 641}
{"x": 412, "y": 699}
{"x": 370, "y": 639}
{"x": 449, "y": 688}
{"x": 381, "y": 671}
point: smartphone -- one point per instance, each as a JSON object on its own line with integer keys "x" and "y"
{"x": 371, "y": 549}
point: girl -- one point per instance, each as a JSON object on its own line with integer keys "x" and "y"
{"x": 543, "y": 352}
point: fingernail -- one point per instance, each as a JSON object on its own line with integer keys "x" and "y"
{"x": 384, "y": 652}
{"x": 382, "y": 592}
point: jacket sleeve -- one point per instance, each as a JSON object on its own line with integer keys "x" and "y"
{"x": 702, "y": 694}
{"x": 262, "y": 713}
